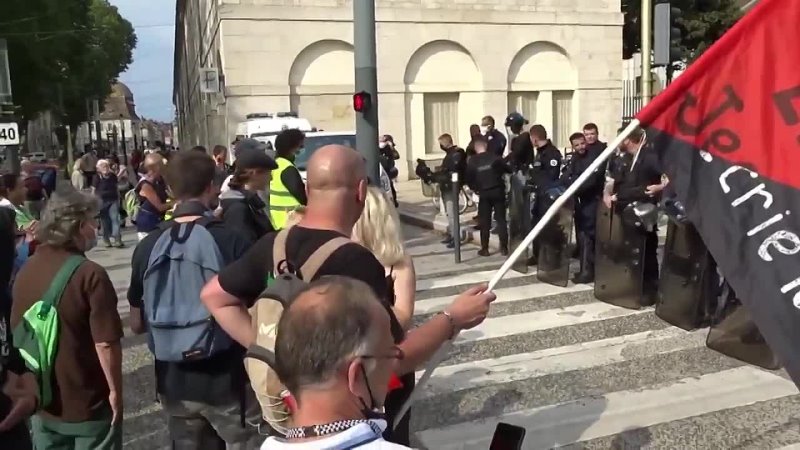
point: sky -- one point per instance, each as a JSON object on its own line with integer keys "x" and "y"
{"x": 150, "y": 74}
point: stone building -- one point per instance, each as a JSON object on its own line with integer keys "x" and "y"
{"x": 441, "y": 66}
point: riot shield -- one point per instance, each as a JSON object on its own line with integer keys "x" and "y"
{"x": 554, "y": 247}
{"x": 733, "y": 333}
{"x": 519, "y": 217}
{"x": 619, "y": 265}
{"x": 688, "y": 280}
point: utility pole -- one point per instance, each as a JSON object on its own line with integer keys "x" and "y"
{"x": 647, "y": 40}
{"x": 365, "y": 101}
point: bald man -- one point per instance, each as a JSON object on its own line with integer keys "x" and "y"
{"x": 337, "y": 185}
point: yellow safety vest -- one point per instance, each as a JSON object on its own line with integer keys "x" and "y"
{"x": 281, "y": 201}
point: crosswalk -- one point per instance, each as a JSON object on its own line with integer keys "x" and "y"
{"x": 577, "y": 373}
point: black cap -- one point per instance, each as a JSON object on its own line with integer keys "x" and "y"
{"x": 252, "y": 154}
{"x": 515, "y": 119}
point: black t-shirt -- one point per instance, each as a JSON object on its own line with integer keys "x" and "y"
{"x": 220, "y": 377}
{"x": 246, "y": 278}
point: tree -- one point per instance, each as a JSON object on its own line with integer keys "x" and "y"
{"x": 702, "y": 23}
{"x": 105, "y": 54}
{"x": 62, "y": 52}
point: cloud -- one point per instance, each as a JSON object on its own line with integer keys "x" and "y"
{"x": 150, "y": 75}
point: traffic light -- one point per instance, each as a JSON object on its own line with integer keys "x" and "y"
{"x": 362, "y": 101}
{"x": 666, "y": 34}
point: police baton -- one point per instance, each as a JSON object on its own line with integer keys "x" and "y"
{"x": 441, "y": 354}
{"x": 456, "y": 225}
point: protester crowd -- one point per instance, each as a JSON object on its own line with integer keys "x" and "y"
{"x": 346, "y": 349}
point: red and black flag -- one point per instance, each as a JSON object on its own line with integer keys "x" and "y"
{"x": 728, "y": 130}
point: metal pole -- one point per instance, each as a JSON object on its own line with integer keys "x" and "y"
{"x": 366, "y": 80}
{"x": 647, "y": 44}
{"x": 456, "y": 231}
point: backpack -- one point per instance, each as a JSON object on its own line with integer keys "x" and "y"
{"x": 184, "y": 258}
{"x": 131, "y": 203}
{"x": 36, "y": 336}
{"x": 282, "y": 288}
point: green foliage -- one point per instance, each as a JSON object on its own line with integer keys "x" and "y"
{"x": 701, "y": 24}
{"x": 62, "y": 52}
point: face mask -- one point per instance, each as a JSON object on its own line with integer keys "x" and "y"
{"x": 442, "y": 147}
{"x": 382, "y": 144}
{"x": 372, "y": 412}
{"x": 484, "y": 130}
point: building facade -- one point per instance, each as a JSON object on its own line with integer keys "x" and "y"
{"x": 441, "y": 66}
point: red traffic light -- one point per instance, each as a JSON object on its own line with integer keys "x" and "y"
{"x": 361, "y": 101}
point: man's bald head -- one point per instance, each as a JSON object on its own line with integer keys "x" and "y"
{"x": 334, "y": 167}
{"x": 336, "y": 187}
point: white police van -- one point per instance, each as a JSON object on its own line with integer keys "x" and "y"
{"x": 316, "y": 139}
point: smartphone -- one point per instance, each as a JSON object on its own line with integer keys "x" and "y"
{"x": 507, "y": 437}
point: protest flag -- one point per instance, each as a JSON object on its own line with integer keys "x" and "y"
{"x": 728, "y": 133}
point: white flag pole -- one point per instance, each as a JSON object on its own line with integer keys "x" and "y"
{"x": 503, "y": 270}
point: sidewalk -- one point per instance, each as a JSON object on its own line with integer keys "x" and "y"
{"x": 418, "y": 210}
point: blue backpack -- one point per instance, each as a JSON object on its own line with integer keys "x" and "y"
{"x": 184, "y": 259}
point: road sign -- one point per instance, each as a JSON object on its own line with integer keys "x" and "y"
{"x": 9, "y": 133}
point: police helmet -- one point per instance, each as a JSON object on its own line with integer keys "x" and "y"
{"x": 675, "y": 210}
{"x": 515, "y": 121}
{"x": 641, "y": 214}
{"x": 555, "y": 192}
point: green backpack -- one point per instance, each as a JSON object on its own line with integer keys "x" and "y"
{"x": 36, "y": 336}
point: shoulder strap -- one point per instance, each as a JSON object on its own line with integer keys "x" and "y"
{"x": 320, "y": 255}
{"x": 279, "y": 249}
{"x": 53, "y": 294}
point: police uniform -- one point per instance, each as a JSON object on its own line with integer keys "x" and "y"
{"x": 455, "y": 161}
{"x": 484, "y": 175}
{"x": 636, "y": 173}
{"x": 545, "y": 175}
{"x": 587, "y": 199}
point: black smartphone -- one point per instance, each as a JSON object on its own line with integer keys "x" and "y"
{"x": 507, "y": 437}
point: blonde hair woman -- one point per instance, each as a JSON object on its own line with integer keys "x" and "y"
{"x": 379, "y": 230}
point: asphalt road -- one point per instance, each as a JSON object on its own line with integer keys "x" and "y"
{"x": 575, "y": 372}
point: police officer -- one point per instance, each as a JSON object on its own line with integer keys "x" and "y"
{"x": 587, "y": 199}
{"x": 593, "y": 144}
{"x": 521, "y": 152}
{"x": 484, "y": 175}
{"x": 455, "y": 161}
{"x": 545, "y": 174}
{"x": 640, "y": 180}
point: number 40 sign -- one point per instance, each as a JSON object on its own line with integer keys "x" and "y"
{"x": 9, "y": 133}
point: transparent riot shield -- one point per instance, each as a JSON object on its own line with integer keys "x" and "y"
{"x": 688, "y": 279}
{"x": 733, "y": 333}
{"x": 519, "y": 217}
{"x": 619, "y": 261}
{"x": 554, "y": 247}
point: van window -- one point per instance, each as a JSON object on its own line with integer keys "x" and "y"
{"x": 314, "y": 143}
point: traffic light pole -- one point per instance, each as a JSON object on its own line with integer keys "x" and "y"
{"x": 366, "y": 72}
{"x": 647, "y": 74}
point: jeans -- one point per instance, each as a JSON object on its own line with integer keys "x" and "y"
{"x": 109, "y": 220}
